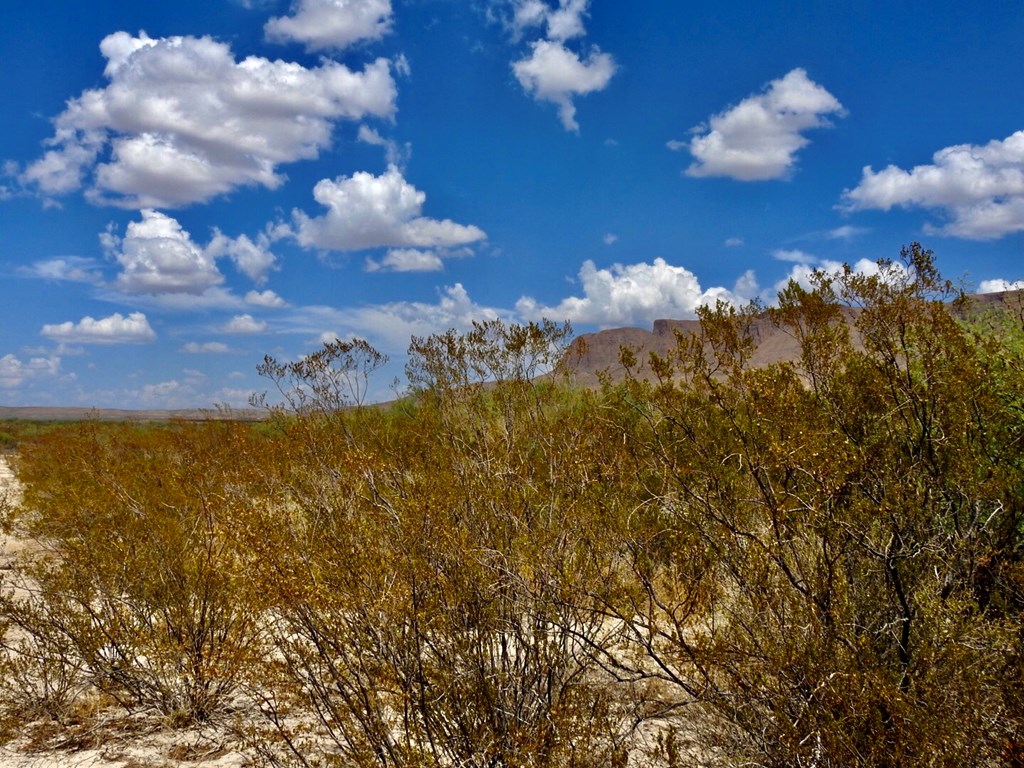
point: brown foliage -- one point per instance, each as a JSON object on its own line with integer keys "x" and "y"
{"x": 810, "y": 563}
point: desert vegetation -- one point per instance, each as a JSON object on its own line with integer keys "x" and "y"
{"x": 814, "y": 563}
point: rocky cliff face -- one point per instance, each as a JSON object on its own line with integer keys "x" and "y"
{"x": 598, "y": 353}
{"x": 595, "y": 353}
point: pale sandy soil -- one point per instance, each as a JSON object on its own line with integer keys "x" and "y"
{"x": 9, "y": 491}
{"x": 110, "y": 746}
{"x": 127, "y": 744}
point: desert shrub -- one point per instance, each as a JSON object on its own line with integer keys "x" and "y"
{"x": 131, "y": 587}
{"x": 830, "y": 538}
{"x": 438, "y": 570}
{"x": 817, "y": 562}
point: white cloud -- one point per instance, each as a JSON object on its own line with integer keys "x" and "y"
{"x": 62, "y": 170}
{"x": 528, "y": 13}
{"x": 14, "y": 372}
{"x": 253, "y": 259}
{"x": 327, "y": 337}
{"x": 563, "y": 23}
{"x": 11, "y": 372}
{"x": 390, "y": 326}
{"x": 331, "y": 24}
{"x": 395, "y": 154}
{"x": 551, "y": 71}
{"x": 805, "y": 265}
{"x": 733, "y": 242}
{"x": 166, "y": 393}
{"x": 845, "y": 232}
{"x": 8, "y": 169}
{"x": 794, "y": 255}
{"x": 610, "y": 239}
{"x": 406, "y": 260}
{"x": 745, "y": 289}
{"x": 73, "y": 269}
{"x": 236, "y": 398}
{"x": 266, "y": 299}
{"x": 181, "y": 121}
{"x": 758, "y": 138}
{"x": 635, "y": 294}
{"x": 115, "y": 329}
{"x": 980, "y": 189}
{"x": 999, "y": 286}
{"x": 554, "y": 73}
{"x": 206, "y": 348}
{"x": 217, "y": 298}
{"x": 244, "y": 324}
{"x": 567, "y": 21}
{"x": 158, "y": 256}
{"x": 367, "y": 211}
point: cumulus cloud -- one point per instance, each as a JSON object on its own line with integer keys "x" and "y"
{"x": 331, "y": 24}
{"x": 979, "y": 189}
{"x": 554, "y": 73}
{"x": 563, "y": 23}
{"x": 528, "y": 13}
{"x": 805, "y": 265}
{"x": 206, "y": 348}
{"x": 181, "y": 121}
{"x": 635, "y": 294}
{"x": 162, "y": 391}
{"x": 758, "y": 138}
{"x": 252, "y": 259}
{"x": 173, "y": 393}
{"x": 406, "y": 260}
{"x": 265, "y": 299}
{"x": 367, "y": 211}
{"x": 62, "y": 170}
{"x": 115, "y": 329}
{"x": 14, "y": 371}
{"x": 244, "y": 324}
{"x": 158, "y": 256}
{"x": 999, "y": 285}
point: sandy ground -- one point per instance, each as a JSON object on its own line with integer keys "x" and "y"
{"x": 9, "y": 491}
{"x": 153, "y": 749}
{"x": 109, "y": 745}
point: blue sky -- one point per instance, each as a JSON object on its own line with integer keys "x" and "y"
{"x": 185, "y": 187}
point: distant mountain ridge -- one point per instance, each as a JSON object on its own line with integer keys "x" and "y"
{"x": 593, "y": 354}
{"x": 48, "y": 413}
{"x": 589, "y": 356}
